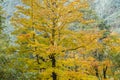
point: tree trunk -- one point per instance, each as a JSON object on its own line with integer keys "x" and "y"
{"x": 104, "y": 72}
{"x": 54, "y": 76}
{"x": 53, "y": 60}
{"x": 96, "y": 72}
{"x": 37, "y": 56}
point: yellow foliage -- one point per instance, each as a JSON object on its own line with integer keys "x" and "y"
{"x": 43, "y": 31}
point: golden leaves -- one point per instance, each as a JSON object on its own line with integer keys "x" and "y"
{"x": 45, "y": 32}
{"x": 23, "y": 37}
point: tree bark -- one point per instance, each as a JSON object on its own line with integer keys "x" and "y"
{"x": 54, "y": 76}
{"x": 96, "y": 72}
{"x": 53, "y": 60}
{"x": 104, "y": 72}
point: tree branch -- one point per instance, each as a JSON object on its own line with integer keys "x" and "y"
{"x": 72, "y": 48}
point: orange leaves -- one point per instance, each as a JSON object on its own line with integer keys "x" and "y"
{"x": 26, "y": 36}
{"x": 55, "y": 49}
{"x": 107, "y": 63}
{"x": 23, "y": 36}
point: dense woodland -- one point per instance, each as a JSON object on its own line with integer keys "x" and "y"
{"x": 58, "y": 40}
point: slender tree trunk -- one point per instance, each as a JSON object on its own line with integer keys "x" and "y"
{"x": 53, "y": 60}
{"x": 96, "y": 72}
{"x": 37, "y": 58}
{"x": 104, "y": 72}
